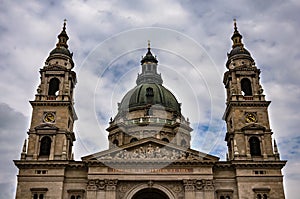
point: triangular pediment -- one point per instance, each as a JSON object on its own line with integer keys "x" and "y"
{"x": 46, "y": 127}
{"x": 150, "y": 149}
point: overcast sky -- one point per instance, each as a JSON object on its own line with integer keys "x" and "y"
{"x": 189, "y": 38}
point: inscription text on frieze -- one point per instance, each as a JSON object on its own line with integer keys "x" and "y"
{"x": 145, "y": 170}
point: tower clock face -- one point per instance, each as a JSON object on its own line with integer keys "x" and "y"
{"x": 250, "y": 117}
{"x": 49, "y": 117}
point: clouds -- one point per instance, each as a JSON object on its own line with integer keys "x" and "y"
{"x": 193, "y": 51}
{"x": 12, "y": 132}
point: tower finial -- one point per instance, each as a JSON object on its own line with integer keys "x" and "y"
{"x": 236, "y": 37}
{"x": 148, "y": 44}
{"x": 63, "y": 37}
{"x": 234, "y": 23}
{"x": 65, "y": 22}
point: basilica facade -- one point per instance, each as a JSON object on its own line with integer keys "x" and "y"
{"x": 149, "y": 154}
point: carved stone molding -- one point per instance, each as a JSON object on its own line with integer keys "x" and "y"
{"x": 151, "y": 152}
{"x": 101, "y": 185}
{"x": 209, "y": 185}
{"x": 105, "y": 184}
{"x": 193, "y": 185}
{"x": 189, "y": 185}
{"x": 199, "y": 185}
{"x": 177, "y": 188}
{"x": 91, "y": 185}
{"x": 111, "y": 185}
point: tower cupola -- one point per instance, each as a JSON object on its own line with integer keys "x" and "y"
{"x": 61, "y": 50}
{"x": 238, "y": 50}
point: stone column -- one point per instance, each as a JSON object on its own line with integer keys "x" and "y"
{"x": 36, "y": 147}
{"x": 239, "y": 89}
{"x": 263, "y": 147}
{"x": 91, "y": 189}
{"x": 208, "y": 189}
{"x": 254, "y": 86}
{"x": 189, "y": 189}
{"x": 101, "y": 189}
{"x": 111, "y": 187}
{"x": 247, "y": 148}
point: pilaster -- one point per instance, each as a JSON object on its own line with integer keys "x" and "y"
{"x": 189, "y": 189}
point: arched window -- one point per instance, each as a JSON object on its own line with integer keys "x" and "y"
{"x": 133, "y": 140}
{"x": 75, "y": 197}
{"x": 38, "y": 196}
{"x": 53, "y": 86}
{"x": 183, "y": 143}
{"x": 254, "y": 146}
{"x": 149, "y": 92}
{"x": 265, "y": 196}
{"x": 258, "y": 196}
{"x": 45, "y": 145}
{"x": 246, "y": 87}
{"x": 116, "y": 142}
{"x": 165, "y": 140}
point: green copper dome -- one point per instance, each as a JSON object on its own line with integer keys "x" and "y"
{"x": 149, "y": 91}
{"x": 149, "y": 94}
{"x": 61, "y": 50}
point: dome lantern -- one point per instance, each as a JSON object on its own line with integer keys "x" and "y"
{"x": 149, "y": 69}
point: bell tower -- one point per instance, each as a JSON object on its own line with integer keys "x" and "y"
{"x": 51, "y": 133}
{"x": 248, "y": 136}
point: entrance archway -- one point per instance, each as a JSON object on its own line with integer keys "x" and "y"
{"x": 150, "y": 193}
{"x": 144, "y": 191}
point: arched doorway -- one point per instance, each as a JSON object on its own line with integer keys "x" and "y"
{"x": 150, "y": 193}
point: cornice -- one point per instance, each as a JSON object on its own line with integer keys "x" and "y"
{"x": 250, "y": 164}
{"x": 244, "y": 103}
{"x": 48, "y": 163}
{"x": 51, "y": 103}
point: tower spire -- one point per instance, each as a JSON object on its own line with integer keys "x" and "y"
{"x": 61, "y": 50}
{"x": 236, "y": 37}
{"x": 238, "y": 50}
{"x": 63, "y": 37}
